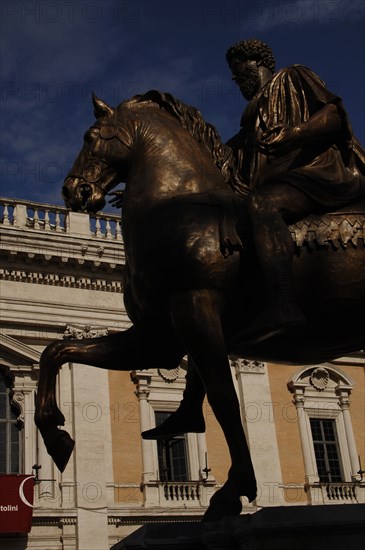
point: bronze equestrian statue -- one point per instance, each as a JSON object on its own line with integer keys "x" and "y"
{"x": 194, "y": 280}
{"x": 296, "y": 155}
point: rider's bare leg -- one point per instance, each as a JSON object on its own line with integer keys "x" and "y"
{"x": 271, "y": 208}
{"x": 188, "y": 418}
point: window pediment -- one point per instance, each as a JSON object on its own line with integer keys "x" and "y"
{"x": 320, "y": 378}
{"x": 13, "y": 353}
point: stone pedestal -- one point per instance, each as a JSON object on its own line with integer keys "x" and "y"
{"x": 277, "y": 528}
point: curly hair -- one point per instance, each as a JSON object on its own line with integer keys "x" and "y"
{"x": 252, "y": 49}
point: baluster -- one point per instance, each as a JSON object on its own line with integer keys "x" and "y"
{"x": 6, "y": 215}
{"x": 57, "y": 221}
{"x": 97, "y": 227}
{"x": 108, "y": 231}
{"x": 36, "y": 219}
{"x": 47, "y": 224}
{"x": 118, "y": 230}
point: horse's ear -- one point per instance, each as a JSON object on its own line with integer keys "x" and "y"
{"x": 101, "y": 109}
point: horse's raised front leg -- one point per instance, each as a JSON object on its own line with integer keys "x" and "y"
{"x": 115, "y": 352}
{"x": 196, "y": 317}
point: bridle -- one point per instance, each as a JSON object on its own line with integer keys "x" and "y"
{"x": 93, "y": 170}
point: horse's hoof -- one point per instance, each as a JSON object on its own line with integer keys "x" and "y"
{"x": 221, "y": 506}
{"x": 60, "y": 446}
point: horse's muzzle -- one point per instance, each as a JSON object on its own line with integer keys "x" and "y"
{"x": 82, "y": 196}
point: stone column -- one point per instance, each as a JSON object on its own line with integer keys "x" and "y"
{"x": 306, "y": 440}
{"x": 149, "y": 473}
{"x": 350, "y": 438}
{"x": 148, "y": 465}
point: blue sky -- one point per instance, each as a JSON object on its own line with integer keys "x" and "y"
{"x": 54, "y": 53}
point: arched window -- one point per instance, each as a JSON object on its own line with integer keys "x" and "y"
{"x": 10, "y": 435}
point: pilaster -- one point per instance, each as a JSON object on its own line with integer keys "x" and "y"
{"x": 256, "y": 408}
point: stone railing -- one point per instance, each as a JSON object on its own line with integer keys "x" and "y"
{"x": 171, "y": 494}
{"x": 185, "y": 491}
{"x": 57, "y": 219}
{"x": 336, "y": 493}
{"x": 164, "y": 494}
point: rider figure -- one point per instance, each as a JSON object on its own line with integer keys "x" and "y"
{"x": 297, "y": 154}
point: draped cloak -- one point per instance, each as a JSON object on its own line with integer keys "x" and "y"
{"x": 331, "y": 172}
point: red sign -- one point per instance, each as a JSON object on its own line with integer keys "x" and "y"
{"x": 16, "y": 503}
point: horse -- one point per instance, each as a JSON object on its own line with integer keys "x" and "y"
{"x": 191, "y": 279}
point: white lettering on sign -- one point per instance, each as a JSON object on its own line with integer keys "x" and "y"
{"x": 9, "y": 508}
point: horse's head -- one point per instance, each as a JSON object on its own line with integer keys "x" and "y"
{"x": 99, "y": 166}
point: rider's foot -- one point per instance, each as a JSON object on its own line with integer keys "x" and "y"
{"x": 182, "y": 421}
{"x": 278, "y": 317}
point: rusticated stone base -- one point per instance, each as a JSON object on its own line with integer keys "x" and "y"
{"x": 280, "y": 528}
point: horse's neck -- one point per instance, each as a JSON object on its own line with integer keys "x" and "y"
{"x": 161, "y": 170}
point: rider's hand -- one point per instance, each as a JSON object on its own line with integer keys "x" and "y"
{"x": 279, "y": 140}
{"x": 117, "y": 201}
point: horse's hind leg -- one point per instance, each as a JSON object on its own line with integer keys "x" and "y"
{"x": 115, "y": 352}
{"x": 196, "y": 317}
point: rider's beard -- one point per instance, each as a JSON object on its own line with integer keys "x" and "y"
{"x": 250, "y": 84}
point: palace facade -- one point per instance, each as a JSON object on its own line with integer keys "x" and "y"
{"x": 61, "y": 277}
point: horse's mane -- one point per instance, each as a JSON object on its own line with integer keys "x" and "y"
{"x": 192, "y": 120}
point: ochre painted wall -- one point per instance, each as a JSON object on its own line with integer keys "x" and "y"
{"x": 218, "y": 456}
{"x": 126, "y": 436}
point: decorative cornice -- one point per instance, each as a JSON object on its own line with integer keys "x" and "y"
{"x": 68, "y": 521}
{"x": 61, "y": 280}
{"x": 247, "y": 365}
{"x": 53, "y": 521}
{"x": 160, "y": 517}
{"x": 79, "y": 332}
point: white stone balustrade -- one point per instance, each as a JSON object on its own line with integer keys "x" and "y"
{"x": 45, "y": 217}
{"x": 173, "y": 493}
{"x": 336, "y": 493}
{"x": 36, "y": 233}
